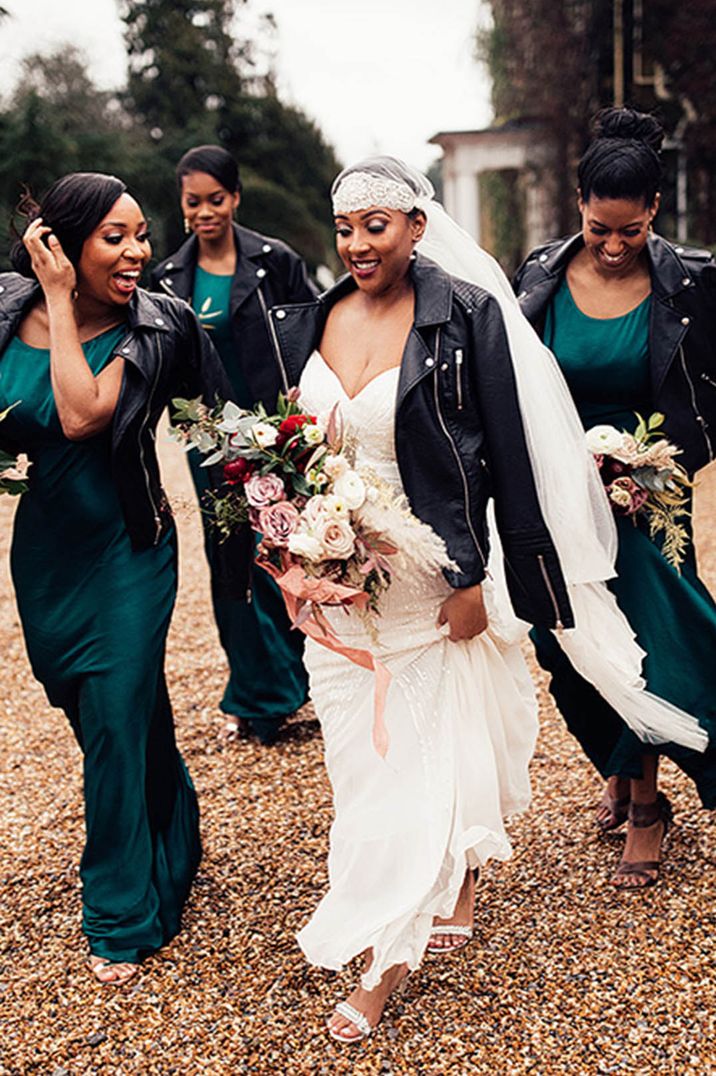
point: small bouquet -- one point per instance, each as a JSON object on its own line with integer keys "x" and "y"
{"x": 332, "y": 533}
{"x": 641, "y": 476}
{"x": 13, "y": 469}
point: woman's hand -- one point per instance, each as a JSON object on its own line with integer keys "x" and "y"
{"x": 51, "y": 265}
{"x": 465, "y": 612}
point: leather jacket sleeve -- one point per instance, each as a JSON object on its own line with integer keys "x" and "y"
{"x": 534, "y": 576}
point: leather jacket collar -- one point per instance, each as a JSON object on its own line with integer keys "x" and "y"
{"x": 176, "y": 274}
{"x": 433, "y": 292}
{"x": 299, "y": 328}
{"x": 668, "y": 272}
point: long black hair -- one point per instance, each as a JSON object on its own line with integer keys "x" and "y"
{"x": 72, "y": 207}
{"x": 622, "y": 161}
{"x": 215, "y": 161}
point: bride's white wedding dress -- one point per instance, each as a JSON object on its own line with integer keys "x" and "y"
{"x": 462, "y": 723}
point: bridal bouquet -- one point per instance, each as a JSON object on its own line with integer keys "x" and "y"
{"x": 13, "y": 469}
{"x": 332, "y": 531}
{"x": 641, "y": 476}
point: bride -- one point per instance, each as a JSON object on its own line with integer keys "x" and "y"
{"x": 428, "y": 372}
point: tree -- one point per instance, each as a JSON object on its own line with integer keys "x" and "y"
{"x": 193, "y": 79}
{"x": 56, "y": 122}
{"x": 182, "y": 58}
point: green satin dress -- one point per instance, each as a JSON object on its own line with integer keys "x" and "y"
{"x": 606, "y": 364}
{"x": 267, "y": 680}
{"x": 95, "y": 615}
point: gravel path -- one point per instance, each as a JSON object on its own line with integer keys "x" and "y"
{"x": 565, "y": 975}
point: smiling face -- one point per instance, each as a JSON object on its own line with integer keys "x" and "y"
{"x": 375, "y": 246}
{"x": 114, "y": 254}
{"x": 208, "y": 207}
{"x": 615, "y": 231}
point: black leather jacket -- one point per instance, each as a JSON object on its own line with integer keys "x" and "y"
{"x": 682, "y": 333}
{"x": 167, "y": 354}
{"x": 267, "y": 272}
{"x": 458, "y": 433}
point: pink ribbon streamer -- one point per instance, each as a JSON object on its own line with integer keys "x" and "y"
{"x": 298, "y": 589}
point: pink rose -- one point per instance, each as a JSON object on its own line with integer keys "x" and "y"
{"x": 337, "y": 537}
{"x": 278, "y": 522}
{"x": 264, "y": 489}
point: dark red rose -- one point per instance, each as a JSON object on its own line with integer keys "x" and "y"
{"x": 292, "y": 424}
{"x": 238, "y": 471}
{"x": 612, "y": 469}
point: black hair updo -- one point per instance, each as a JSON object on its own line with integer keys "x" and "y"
{"x": 215, "y": 161}
{"x": 622, "y": 161}
{"x": 72, "y": 207}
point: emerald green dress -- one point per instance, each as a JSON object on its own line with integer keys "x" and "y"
{"x": 606, "y": 364}
{"x": 267, "y": 680}
{"x": 95, "y": 615}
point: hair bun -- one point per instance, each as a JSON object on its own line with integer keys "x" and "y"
{"x": 627, "y": 123}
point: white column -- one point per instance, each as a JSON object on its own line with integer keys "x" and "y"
{"x": 467, "y": 203}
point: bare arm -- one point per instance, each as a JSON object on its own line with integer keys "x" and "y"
{"x": 85, "y": 402}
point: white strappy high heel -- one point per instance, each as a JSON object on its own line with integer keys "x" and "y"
{"x": 357, "y": 1018}
{"x": 445, "y": 930}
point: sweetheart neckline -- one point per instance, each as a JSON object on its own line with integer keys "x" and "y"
{"x": 338, "y": 381}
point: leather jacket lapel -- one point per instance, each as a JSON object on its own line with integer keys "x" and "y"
{"x": 177, "y": 276}
{"x": 667, "y": 327}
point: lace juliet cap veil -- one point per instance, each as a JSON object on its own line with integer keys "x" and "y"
{"x": 602, "y": 646}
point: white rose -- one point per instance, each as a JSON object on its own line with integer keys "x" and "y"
{"x": 335, "y": 466}
{"x": 264, "y": 434}
{"x": 350, "y": 488}
{"x": 312, "y": 435}
{"x": 604, "y": 440}
{"x": 337, "y": 538}
{"x": 305, "y": 545}
{"x": 314, "y": 509}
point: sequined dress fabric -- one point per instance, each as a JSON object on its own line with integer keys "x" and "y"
{"x": 462, "y": 724}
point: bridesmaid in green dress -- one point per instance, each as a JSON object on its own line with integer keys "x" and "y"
{"x": 94, "y": 591}
{"x": 631, "y": 320}
{"x": 232, "y": 276}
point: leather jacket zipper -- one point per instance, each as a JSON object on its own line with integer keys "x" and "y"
{"x": 458, "y": 377}
{"x": 709, "y": 380}
{"x": 701, "y": 421}
{"x": 550, "y": 589}
{"x": 456, "y": 454}
{"x": 274, "y": 340}
{"x": 145, "y": 420}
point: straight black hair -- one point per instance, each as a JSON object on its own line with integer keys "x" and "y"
{"x": 213, "y": 160}
{"x": 622, "y": 161}
{"x": 72, "y": 207}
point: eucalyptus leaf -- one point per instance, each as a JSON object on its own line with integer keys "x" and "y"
{"x": 215, "y": 457}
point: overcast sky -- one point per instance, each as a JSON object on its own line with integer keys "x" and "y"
{"x": 376, "y": 75}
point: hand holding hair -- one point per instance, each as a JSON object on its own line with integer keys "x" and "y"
{"x": 50, "y": 264}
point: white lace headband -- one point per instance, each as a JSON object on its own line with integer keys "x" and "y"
{"x": 361, "y": 190}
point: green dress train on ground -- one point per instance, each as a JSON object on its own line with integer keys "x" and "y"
{"x": 267, "y": 680}
{"x": 606, "y": 364}
{"x": 95, "y": 615}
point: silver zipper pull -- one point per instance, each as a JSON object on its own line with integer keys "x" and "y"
{"x": 458, "y": 377}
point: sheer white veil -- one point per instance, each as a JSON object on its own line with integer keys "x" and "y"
{"x": 602, "y": 646}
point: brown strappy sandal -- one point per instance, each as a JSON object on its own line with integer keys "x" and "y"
{"x": 643, "y": 815}
{"x": 618, "y": 808}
